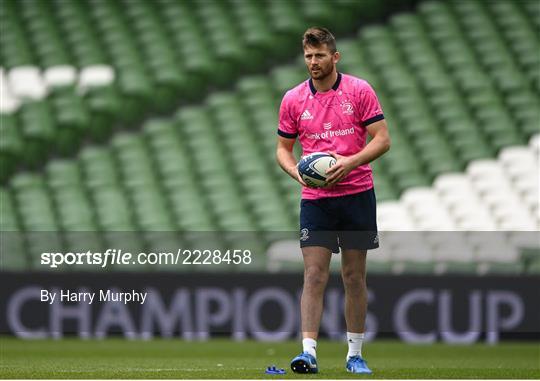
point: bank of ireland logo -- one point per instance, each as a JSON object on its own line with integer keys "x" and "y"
{"x": 347, "y": 108}
{"x": 304, "y": 234}
{"x": 327, "y": 125}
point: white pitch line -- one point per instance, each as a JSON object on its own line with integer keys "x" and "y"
{"x": 146, "y": 370}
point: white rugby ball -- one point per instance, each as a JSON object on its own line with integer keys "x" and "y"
{"x": 312, "y": 168}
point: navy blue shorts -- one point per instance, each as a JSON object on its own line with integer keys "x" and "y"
{"x": 349, "y": 222}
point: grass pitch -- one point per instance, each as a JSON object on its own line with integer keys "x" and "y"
{"x": 219, "y": 359}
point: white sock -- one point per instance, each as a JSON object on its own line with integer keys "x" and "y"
{"x": 310, "y": 346}
{"x": 355, "y": 344}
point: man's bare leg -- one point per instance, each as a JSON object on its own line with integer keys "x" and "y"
{"x": 353, "y": 272}
{"x": 316, "y": 272}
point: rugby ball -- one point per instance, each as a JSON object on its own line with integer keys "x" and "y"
{"x": 312, "y": 168}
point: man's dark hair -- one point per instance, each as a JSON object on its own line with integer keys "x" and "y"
{"x": 316, "y": 36}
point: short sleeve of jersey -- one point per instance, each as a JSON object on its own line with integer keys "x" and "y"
{"x": 370, "y": 108}
{"x": 287, "y": 127}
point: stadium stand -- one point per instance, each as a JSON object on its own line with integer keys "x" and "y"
{"x": 459, "y": 83}
{"x": 137, "y": 58}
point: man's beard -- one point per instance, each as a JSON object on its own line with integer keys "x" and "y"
{"x": 322, "y": 73}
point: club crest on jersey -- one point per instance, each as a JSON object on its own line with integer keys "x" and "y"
{"x": 306, "y": 115}
{"x": 347, "y": 108}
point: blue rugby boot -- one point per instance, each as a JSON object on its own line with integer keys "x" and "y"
{"x": 304, "y": 363}
{"x": 357, "y": 364}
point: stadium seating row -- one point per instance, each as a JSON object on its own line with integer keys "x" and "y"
{"x": 433, "y": 108}
{"x": 161, "y": 53}
{"x": 453, "y": 100}
{"x": 483, "y": 220}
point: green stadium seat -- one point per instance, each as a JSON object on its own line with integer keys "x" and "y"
{"x": 105, "y": 108}
{"x": 284, "y": 16}
{"x": 256, "y": 31}
{"x": 26, "y": 180}
{"x": 285, "y": 78}
{"x": 151, "y": 209}
{"x": 34, "y": 203}
{"x": 496, "y": 268}
{"x": 72, "y": 121}
{"x": 525, "y": 108}
{"x": 9, "y": 221}
{"x": 74, "y": 209}
{"x": 15, "y": 49}
{"x": 44, "y": 34}
{"x": 436, "y": 155}
{"x": 532, "y": 260}
{"x": 98, "y": 167}
{"x": 355, "y": 62}
{"x": 518, "y": 32}
{"x": 128, "y": 242}
{"x": 384, "y": 187}
{"x": 320, "y": 12}
{"x": 38, "y": 131}
{"x": 63, "y": 173}
{"x": 486, "y": 98}
{"x": 11, "y": 146}
{"x": 14, "y": 256}
{"x": 397, "y": 81}
{"x": 112, "y": 209}
{"x": 137, "y": 88}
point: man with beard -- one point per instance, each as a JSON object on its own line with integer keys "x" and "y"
{"x": 333, "y": 112}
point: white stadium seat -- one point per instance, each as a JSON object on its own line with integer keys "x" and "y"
{"x": 534, "y": 143}
{"x": 415, "y": 197}
{"x": 96, "y": 76}
{"x": 457, "y": 197}
{"x": 26, "y": 82}
{"x": 497, "y": 196}
{"x": 58, "y": 76}
{"x": 439, "y": 221}
{"x": 8, "y": 103}
{"x": 383, "y": 254}
{"x": 452, "y": 182}
{"x": 427, "y": 209}
{"x": 471, "y": 214}
{"x": 414, "y": 250}
{"x": 392, "y": 216}
{"x": 484, "y": 169}
{"x": 528, "y": 183}
{"x": 454, "y": 252}
{"x": 476, "y": 223}
{"x": 516, "y": 222}
{"x": 497, "y": 252}
{"x": 524, "y": 239}
{"x": 282, "y": 252}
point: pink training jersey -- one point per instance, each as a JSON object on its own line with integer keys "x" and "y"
{"x": 333, "y": 121}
